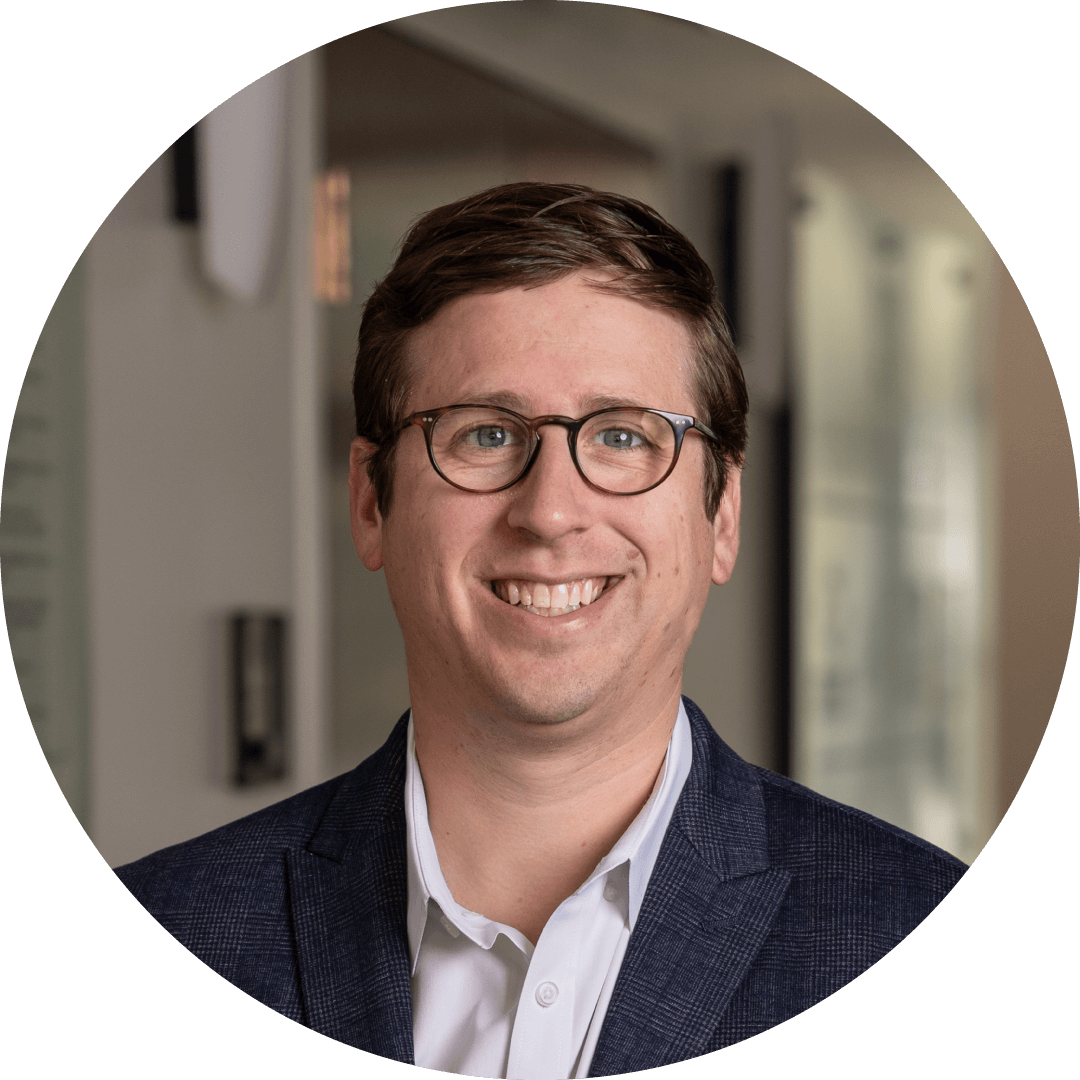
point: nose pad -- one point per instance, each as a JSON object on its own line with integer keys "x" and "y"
{"x": 552, "y": 456}
{"x": 551, "y": 499}
{"x": 546, "y": 448}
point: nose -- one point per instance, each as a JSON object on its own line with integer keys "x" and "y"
{"x": 552, "y": 500}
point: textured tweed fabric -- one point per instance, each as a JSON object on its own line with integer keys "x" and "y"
{"x": 765, "y": 898}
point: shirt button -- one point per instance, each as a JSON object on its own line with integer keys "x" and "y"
{"x": 547, "y": 993}
{"x": 611, "y": 891}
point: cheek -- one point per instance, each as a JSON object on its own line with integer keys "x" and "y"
{"x": 428, "y": 545}
{"x": 679, "y": 542}
{"x": 410, "y": 559}
{"x": 686, "y": 573}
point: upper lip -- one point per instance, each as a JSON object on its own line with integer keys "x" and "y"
{"x": 549, "y": 580}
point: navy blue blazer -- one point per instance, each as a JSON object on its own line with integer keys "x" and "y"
{"x": 764, "y": 899}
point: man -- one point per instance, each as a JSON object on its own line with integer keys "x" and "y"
{"x": 554, "y": 867}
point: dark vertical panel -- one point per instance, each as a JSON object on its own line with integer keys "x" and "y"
{"x": 771, "y": 449}
{"x": 185, "y": 206}
{"x": 728, "y": 217}
{"x": 259, "y": 698}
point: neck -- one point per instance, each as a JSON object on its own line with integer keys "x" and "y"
{"x": 522, "y": 813}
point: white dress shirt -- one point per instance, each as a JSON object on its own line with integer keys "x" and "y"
{"x": 486, "y": 1002}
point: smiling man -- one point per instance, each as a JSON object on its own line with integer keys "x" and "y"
{"x": 554, "y": 868}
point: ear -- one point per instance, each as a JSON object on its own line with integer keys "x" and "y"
{"x": 726, "y": 528}
{"x": 367, "y": 522}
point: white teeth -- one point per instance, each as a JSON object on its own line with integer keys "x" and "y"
{"x": 549, "y": 600}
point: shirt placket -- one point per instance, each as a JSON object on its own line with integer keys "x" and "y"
{"x": 540, "y": 1045}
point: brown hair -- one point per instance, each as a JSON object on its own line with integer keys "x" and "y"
{"x": 531, "y": 234}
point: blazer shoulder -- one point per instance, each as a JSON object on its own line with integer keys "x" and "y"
{"x": 233, "y": 855}
{"x": 228, "y": 895}
{"x": 250, "y": 852}
{"x": 806, "y": 828}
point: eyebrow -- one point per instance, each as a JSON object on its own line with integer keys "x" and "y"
{"x": 501, "y": 399}
{"x": 505, "y": 399}
{"x": 606, "y": 401}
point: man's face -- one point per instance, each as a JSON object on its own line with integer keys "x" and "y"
{"x": 450, "y": 555}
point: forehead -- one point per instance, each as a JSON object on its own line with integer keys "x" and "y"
{"x": 562, "y": 347}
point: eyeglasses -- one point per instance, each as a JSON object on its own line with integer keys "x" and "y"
{"x": 619, "y": 451}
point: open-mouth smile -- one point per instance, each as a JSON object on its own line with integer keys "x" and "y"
{"x": 548, "y": 600}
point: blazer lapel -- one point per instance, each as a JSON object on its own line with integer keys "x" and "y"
{"x": 347, "y": 895}
{"x": 710, "y": 904}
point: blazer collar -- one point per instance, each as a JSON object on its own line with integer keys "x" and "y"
{"x": 710, "y": 904}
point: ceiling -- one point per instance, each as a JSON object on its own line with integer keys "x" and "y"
{"x": 666, "y": 84}
{"x": 388, "y": 98}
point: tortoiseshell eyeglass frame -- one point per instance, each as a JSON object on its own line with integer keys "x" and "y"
{"x": 679, "y": 422}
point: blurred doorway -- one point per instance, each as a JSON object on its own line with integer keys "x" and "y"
{"x": 416, "y": 129}
{"x": 893, "y": 688}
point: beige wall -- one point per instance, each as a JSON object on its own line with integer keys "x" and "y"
{"x": 194, "y": 453}
{"x": 188, "y": 498}
{"x": 1038, "y": 537}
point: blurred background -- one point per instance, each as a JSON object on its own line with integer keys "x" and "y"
{"x": 193, "y": 633}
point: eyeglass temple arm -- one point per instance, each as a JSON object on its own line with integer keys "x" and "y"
{"x": 705, "y": 430}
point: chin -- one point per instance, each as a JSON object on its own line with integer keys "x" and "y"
{"x": 541, "y": 707}
{"x": 550, "y": 693}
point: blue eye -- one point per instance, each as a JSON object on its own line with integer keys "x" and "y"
{"x": 490, "y": 437}
{"x": 619, "y": 439}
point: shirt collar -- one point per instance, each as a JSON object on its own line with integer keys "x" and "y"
{"x": 639, "y": 846}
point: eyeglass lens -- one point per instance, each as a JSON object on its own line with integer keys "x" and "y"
{"x": 623, "y": 451}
